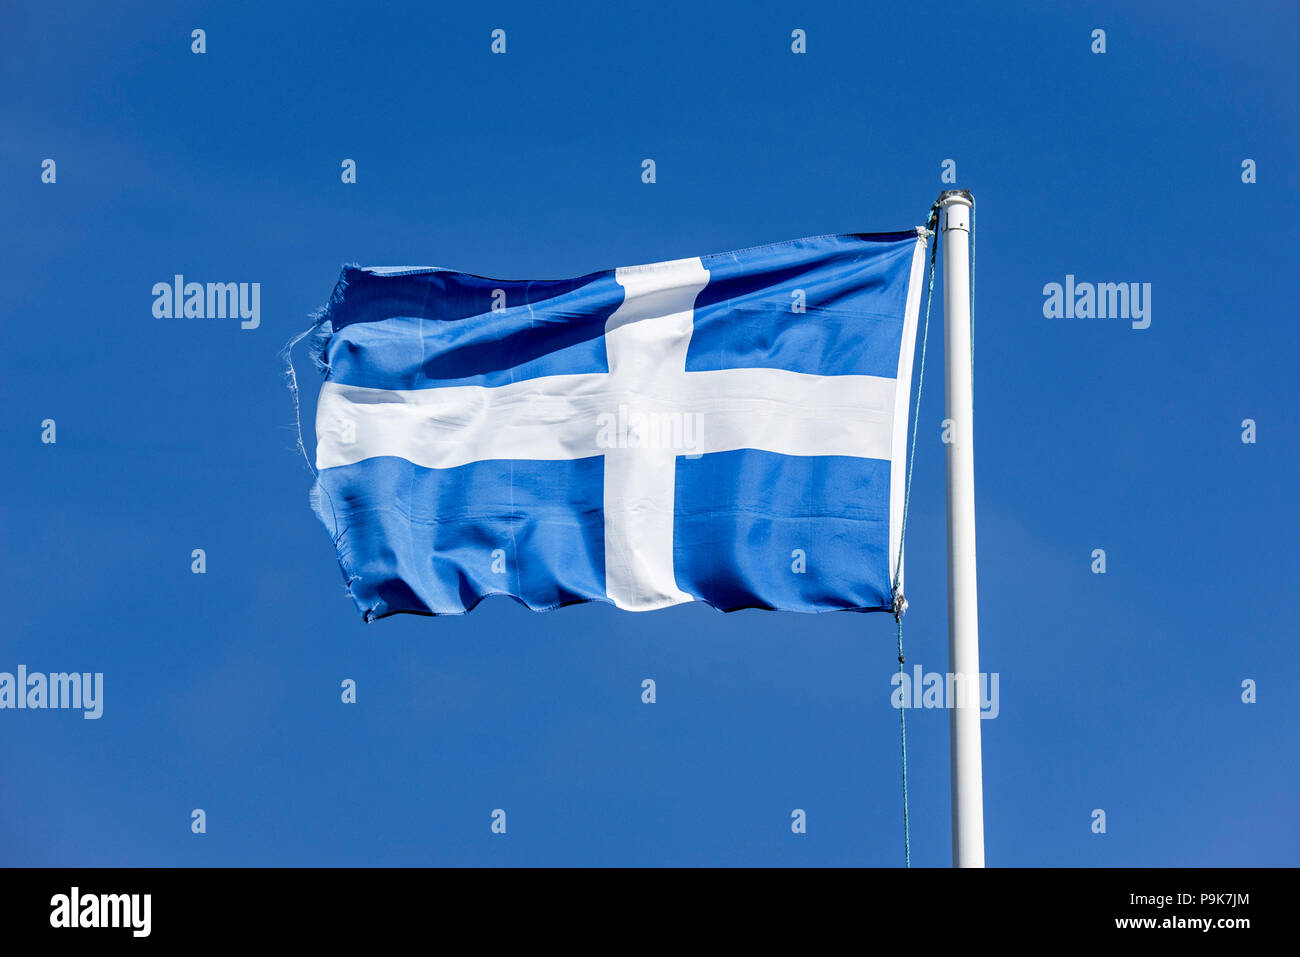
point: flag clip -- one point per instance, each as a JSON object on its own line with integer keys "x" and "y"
{"x": 900, "y": 606}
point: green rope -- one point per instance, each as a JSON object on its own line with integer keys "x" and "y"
{"x": 902, "y": 734}
{"x": 899, "y": 602}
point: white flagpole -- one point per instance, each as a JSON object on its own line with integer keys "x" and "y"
{"x": 963, "y": 619}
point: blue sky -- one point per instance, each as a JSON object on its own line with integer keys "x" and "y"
{"x": 1119, "y": 691}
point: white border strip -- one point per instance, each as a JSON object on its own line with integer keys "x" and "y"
{"x": 902, "y": 403}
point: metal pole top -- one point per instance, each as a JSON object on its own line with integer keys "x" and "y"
{"x": 962, "y": 196}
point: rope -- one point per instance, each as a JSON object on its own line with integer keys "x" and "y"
{"x": 902, "y": 736}
{"x": 900, "y": 603}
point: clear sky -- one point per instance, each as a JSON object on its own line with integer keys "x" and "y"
{"x": 1120, "y": 692}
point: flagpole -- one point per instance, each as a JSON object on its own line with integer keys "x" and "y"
{"x": 963, "y": 619}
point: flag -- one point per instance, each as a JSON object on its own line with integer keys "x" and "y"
{"x": 728, "y": 428}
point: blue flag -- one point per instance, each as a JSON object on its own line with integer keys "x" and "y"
{"x": 728, "y": 429}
